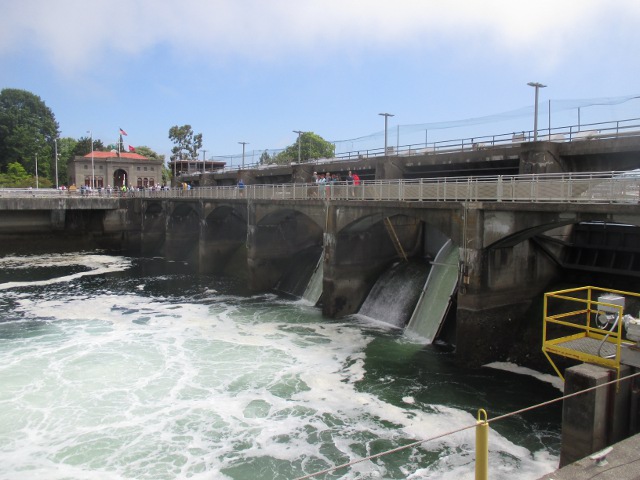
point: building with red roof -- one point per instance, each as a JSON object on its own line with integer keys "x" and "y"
{"x": 113, "y": 169}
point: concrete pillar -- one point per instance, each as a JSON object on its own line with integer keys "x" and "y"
{"x": 247, "y": 176}
{"x": 541, "y": 157}
{"x": 389, "y": 167}
{"x": 58, "y": 218}
{"x": 303, "y": 173}
{"x": 499, "y": 285}
{"x": 594, "y": 420}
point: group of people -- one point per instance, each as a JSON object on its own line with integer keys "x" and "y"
{"x": 326, "y": 181}
{"x": 332, "y": 178}
{"x": 117, "y": 190}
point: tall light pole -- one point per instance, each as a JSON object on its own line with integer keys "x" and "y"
{"x": 204, "y": 161}
{"x": 386, "y": 118}
{"x": 537, "y": 86}
{"x": 299, "y": 132}
{"x": 55, "y": 144}
{"x": 93, "y": 170}
{"x": 37, "y": 170}
{"x": 247, "y": 143}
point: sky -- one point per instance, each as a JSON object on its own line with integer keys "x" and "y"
{"x": 255, "y": 71}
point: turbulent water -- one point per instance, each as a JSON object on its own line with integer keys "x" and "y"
{"x": 122, "y": 368}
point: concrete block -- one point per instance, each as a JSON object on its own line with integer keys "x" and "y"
{"x": 593, "y": 420}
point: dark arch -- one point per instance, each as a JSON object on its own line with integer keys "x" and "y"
{"x": 120, "y": 178}
{"x": 284, "y": 247}
{"x": 225, "y": 232}
{"x": 153, "y": 209}
{"x": 183, "y": 234}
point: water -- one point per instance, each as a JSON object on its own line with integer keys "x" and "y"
{"x": 123, "y": 368}
{"x": 394, "y": 296}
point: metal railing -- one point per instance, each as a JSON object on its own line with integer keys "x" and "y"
{"x": 578, "y": 332}
{"x": 567, "y": 133}
{"x": 609, "y": 187}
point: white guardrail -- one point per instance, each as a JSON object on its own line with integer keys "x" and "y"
{"x": 609, "y": 187}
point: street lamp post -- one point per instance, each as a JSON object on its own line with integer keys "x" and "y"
{"x": 55, "y": 144}
{"x": 299, "y": 132}
{"x": 93, "y": 170}
{"x": 243, "y": 144}
{"x": 37, "y": 170}
{"x": 537, "y": 86}
{"x": 386, "y": 118}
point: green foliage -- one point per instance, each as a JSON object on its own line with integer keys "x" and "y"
{"x": 27, "y": 128}
{"x": 147, "y": 152}
{"x": 83, "y": 146}
{"x": 187, "y": 144}
{"x": 16, "y": 176}
{"x": 66, "y": 148}
{"x": 265, "y": 158}
{"x": 312, "y": 146}
{"x": 167, "y": 175}
{"x": 284, "y": 158}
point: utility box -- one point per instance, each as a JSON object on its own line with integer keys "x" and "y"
{"x": 612, "y": 299}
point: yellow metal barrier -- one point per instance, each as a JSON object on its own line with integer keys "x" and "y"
{"x": 570, "y": 326}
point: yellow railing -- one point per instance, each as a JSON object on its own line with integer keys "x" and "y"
{"x": 570, "y": 326}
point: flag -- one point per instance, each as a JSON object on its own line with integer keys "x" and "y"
{"x": 122, "y": 132}
{"x": 131, "y": 149}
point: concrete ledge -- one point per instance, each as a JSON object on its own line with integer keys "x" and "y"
{"x": 623, "y": 463}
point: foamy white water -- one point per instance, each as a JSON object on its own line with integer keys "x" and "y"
{"x": 556, "y": 381}
{"x": 108, "y": 375}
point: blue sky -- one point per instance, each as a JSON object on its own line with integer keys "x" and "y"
{"x": 256, "y": 70}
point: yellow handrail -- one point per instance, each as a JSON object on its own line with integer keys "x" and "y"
{"x": 584, "y": 337}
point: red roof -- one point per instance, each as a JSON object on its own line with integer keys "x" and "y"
{"x": 132, "y": 156}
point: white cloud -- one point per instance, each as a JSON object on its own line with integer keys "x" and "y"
{"x": 77, "y": 34}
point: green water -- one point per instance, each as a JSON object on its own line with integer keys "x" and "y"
{"x": 119, "y": 368}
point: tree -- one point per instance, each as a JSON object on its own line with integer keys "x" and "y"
{"x": 27, "y": 127}
{"x": 147, "y": 152}
{"x": 311, "y": 146}
{"x": 66, "y": 148}
{"x": 187, "y": 144}
{"x": 167, "y": 175}
{"x": 83, "y": 146}
{"x": 16, "y": 177}
{"x": 265, "y": 158}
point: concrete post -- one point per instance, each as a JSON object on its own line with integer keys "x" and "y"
{"x": 593, "y": 420}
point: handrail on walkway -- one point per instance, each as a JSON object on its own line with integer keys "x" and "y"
{"x": 583, "y": 188}
{"x": 576, "y": 324}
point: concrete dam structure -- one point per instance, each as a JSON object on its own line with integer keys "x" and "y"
{"x": 512, "y": 237}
